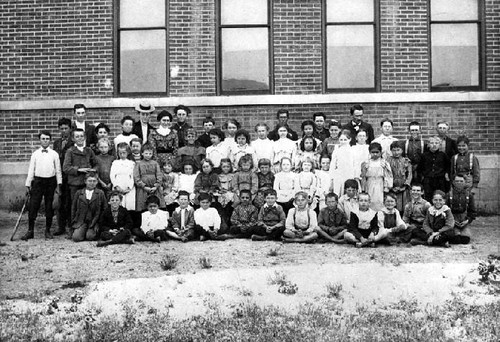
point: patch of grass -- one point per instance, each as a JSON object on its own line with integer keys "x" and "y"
{"x": 273, "y": 252}
{"x": 455, "y": 321}
{"x": 169, "y": 262}
{"x": 245, "y": 292}
{"x": 205, "y": 262}
{"x": 461, "y": 281}
{"x": 333, "y": 290}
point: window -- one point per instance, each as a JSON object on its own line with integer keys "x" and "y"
{"x": 142, "y": 46}
{"x": 455, "y": 27}
{"x": 351, "y": 33}
{"x": 243, "y": 47}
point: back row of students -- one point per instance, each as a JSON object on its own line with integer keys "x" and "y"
{"x": 136, "y": 181}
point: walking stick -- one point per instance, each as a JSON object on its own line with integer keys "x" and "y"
{"x": 20, "y": 215}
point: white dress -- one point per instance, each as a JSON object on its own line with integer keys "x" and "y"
{"x": 360, "y": 154}
{"x": 122, "y": 175}
{"x": 263, "y": 149}
{"x": 283, "y": 148}
{"x": 123, "y": 138}
{"x": 341, "y": 168}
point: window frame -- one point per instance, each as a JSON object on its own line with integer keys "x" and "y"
{"x": 117, "y": 56}
{"x": 218, "y": 51}
{"x": 376, "y": 49}
{"x": 481, "y": 41}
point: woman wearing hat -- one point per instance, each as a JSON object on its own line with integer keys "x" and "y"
{"x": 164, "y": 140}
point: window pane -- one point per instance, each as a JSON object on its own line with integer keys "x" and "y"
{"x": 143, "y": 65}
{"x": 455, "y": 55}
{"x": 144, "y": 13}
{"x": 454, "y": 9}
{"x": 350, "y": 57}
{"x": 349, "y": 10}
{"x": 245, "y": 59}
{"x": 243, "y": 12}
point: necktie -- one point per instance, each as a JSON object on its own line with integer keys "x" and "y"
{"x": 183, "y": 217}
{"x": 45, "y": 151}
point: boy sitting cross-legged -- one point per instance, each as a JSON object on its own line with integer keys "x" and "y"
{"x": 243, "y": 218}
{"x": 207, "y": 220}
{"x": 271, "y": 219}
{"x": 363, "y": 227}
{"x": 301, "y": 222}
{"x": 331, "y": 220}
{"x": 182, "y": 222}
{"x": 116, "y": 223}
{"x": 416, "y": 209}
{"x": 153, "y": 221}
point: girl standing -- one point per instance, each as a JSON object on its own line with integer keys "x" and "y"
{"x": 285, "y": 185}
{"x": 342, "y": 164}
{"x": 147, "y": 179}
{"x": 242, "y": 138}
{"x": 376, "y": 176}
{"x": 283, "y": 148}
{"x": 122, "y": 176}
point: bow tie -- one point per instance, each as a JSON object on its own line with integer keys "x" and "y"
{"x": 45, "y": 151}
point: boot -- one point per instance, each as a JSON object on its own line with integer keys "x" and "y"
{"x": 29, "y": 235}
{"x": 48, "y": 234}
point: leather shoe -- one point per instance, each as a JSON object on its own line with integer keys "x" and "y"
{"x": 29, "y": 235}
{"x": 48, "y": 234}
{"x": 59, "y": 232}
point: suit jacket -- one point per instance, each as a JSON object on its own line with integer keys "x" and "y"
{"x": 124, "y": 220}
{"x": 175, "y": 221}
{"x": 90, "y": 135}
{"x": 74, "y": 160}
{"x": 364, "y": 125}
{"x": 88, "y": 212}
{"x": 450, "y": 147}
{"x": 137, "y": 130}
{"x": 62, "y": 150}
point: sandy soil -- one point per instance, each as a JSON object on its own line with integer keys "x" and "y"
{"x": 31, "y": 270}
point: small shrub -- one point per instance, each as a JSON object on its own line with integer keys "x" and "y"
{"x": 169, "y": 262}
{"x": 205, "y": 262}
{"x": 273, "y": 252}
{"x": 333, "y": 290}
{"x": 461, "y": 281}
{"x": 289, "y": 288}
{"x": 245, "y": 292}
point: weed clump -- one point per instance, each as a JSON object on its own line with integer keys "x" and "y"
{"x": 333, "y": 290}
{"x": 169, "y": 262}
{"x": 205, "y": 262}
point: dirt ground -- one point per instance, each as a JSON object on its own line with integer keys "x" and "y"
{"x": 39, "y": 267}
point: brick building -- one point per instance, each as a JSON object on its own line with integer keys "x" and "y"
{"x": 425, "y": 60}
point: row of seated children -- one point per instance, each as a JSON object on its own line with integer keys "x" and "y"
{"x": 421, "y": 223}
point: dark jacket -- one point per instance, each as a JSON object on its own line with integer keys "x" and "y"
{"x": 88, "y": 212}
{"x": 175, "y": 221}
{"x": 363, "y": 125}
{"x": 74, "y": 160}
{"x": 90, "y": 135}
{"x": 107, "y": 223}
{"x": 137, "y": 130}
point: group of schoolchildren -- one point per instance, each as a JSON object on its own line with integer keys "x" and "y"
{"x": 335, "y": 183}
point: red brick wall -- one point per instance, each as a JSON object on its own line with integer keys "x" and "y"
{"x": 192, "y": 47}
{"x": 479, "y": 120}
{"x": 404, "y": 51}
{"x": 492, "y": 44}
{"x": 297, "y": 46}
{"x": 55, "y": 49}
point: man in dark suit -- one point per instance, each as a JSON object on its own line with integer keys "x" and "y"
{"x": 356, "y": 123}
{"x": 448, "y": 145}
{"x": 142, "y": 127}
{"x": 282, "y": 116}
{"x": 80, "y": 112}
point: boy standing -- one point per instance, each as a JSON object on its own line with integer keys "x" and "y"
{"x": 80, "y": 122}
{"x": 463, "y": 208}
{"x": 116, "y": 223}
{"x": 204, "y": 139}
{"x": 44, "y": 178}
{"x": 190, "y": 152}
{"x": 414, "y": 147}
{"x": 331, "y": 220}
{"x": 207, "y": 220}
{"x": 270, "y": 220}
{"x": 86, "y": 210}
{"x": 321, "y": 132}
{"x": 78, "y": 161}
{"x": 61, "y": 145}
{"x": 332, "y": 141}
{"x": 433, "y": 168}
